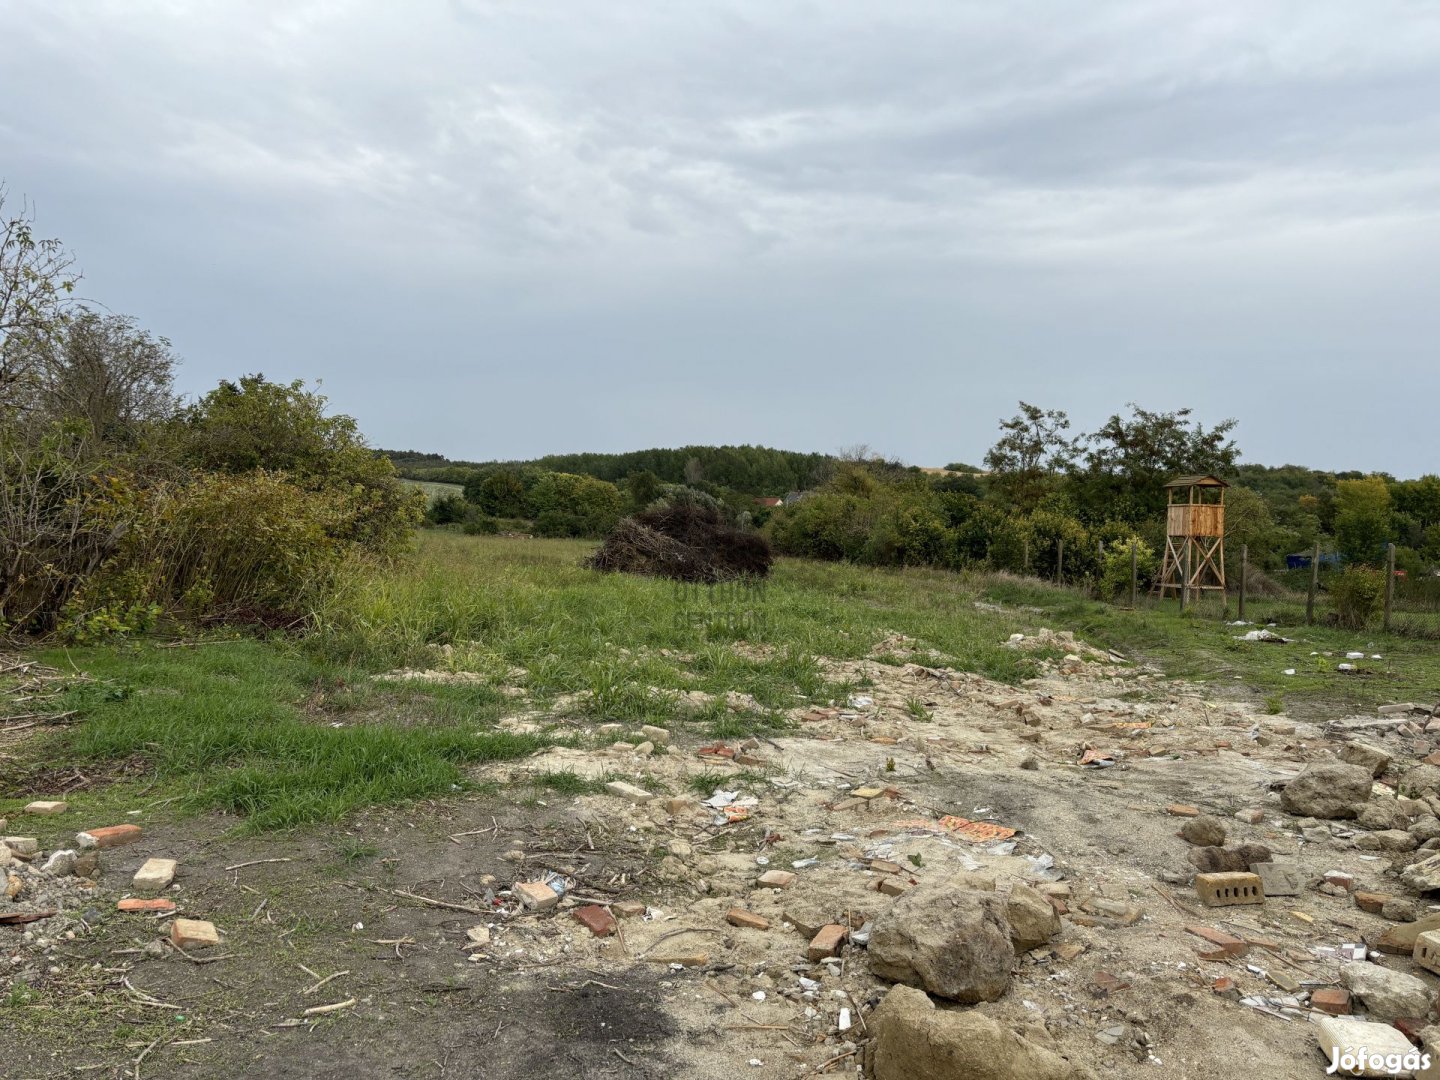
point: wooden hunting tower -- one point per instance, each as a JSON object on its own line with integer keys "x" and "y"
{"x": 1194, "y": 537}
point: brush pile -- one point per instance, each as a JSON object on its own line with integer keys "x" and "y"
{"x": 685, "y": 542}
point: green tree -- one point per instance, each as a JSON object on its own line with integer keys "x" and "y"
{"x": 1131, "y": 459}
{"x": 36, "y": 283}
{"x": 1362, "y": 518}
{"x": 1031, "y": 450}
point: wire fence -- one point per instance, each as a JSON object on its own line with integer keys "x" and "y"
{"x": 1312, "y": 593}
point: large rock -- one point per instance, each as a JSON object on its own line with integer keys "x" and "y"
{"x": 953, "y": 942}
{"x": 1387, "y": 840}
{"x": 1342, "y": 1035}
{"x": 1327, "y": 790}
{"x": 1422, "y": 876}
{"x": 1366, "y": 756}
{"x": 1033, "y": 919}
{"x": 1217, "y": 860}
{"x": 916, "y": 1041}
{"x": 1387, "y": 995}
{"x": 1383, "y": 814}
{"x": 1420, "y": 780}
{"x": 1203, "y": 831}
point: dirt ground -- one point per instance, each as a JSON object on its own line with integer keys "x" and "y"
{"x": 680, "y": 992}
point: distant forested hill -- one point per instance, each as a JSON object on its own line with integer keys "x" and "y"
{"x": 754, "y": 470}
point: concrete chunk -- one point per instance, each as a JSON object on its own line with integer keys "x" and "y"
{"x": 628, "y": 791}
{"x": 41, "y": 806}
{"x": 154, "y": 876}
{"x": 193, "y": 934}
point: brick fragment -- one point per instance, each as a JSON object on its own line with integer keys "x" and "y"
{"x": 42, "y": 806}
{"x": 746, "y": 919}
{"x": 1427, "y": 950}
{"x": 193, "y": 934}
{"x": 536, "y": 896}
{"x": 154, "y": 876}
{"x": 1229, "y": 946}
{"x": 891, "y": 886}
{"x": 628, "y": 791}
{"x": 1370, "y": 901}
{"x": 1252, "y": 816}
{"x": 827, "y": 942}
{"x": 1332, "y": 1000}
{"x": 1229, "y": 889}
{"x": 776, "y": 879}
{"x": 629, "y": 909}
{"x": 596, "y": 919}
{"x": 1340, "y": 880}
{"x": 135, "y": 904}
{"x": 108, "y": 837}
{"x": 1181, "y": 810}
{"x": 885, "y": 866}
{"x": 695, "y": 959}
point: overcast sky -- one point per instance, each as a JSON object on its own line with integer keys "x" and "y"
{"x": 501, "y": 229}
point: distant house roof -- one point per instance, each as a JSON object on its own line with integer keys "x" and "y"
{"x": 768, "y": 500}
{"x": 1197, "y": 481}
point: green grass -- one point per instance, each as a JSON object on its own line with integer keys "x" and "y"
{"x": 226, "y": 727}
{"x": 288, "y": 732}
{"x": 434, "y": 490}
{"x": 1200, "y": 645}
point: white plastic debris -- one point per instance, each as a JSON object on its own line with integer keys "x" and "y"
{"x": 844, "y": 1024}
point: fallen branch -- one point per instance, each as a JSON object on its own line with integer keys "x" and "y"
{"x": 254, "y": 862}
{"x": 328, "y": 978}
{"x": 440, "y": 903}
{"x": 317, "y": 1010}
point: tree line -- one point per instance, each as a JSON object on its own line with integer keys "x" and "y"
{"x": 121, "y": 503}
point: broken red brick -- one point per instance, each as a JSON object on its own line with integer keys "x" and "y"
{"x": 746, "y": 919}
{"x": 775, "y": 879}
{"x": 1370, "y": 901}
{"x": 827, "y": 942}
{"x": 136, "y": 904}
{"x": 108, "y": 837}
{"x": 596, "y": 919}
{"x": 1181, "y": 810}
{"x": 749, "y": 759}
{"x": 1340, "y": 880}
{"x": 1223, "y": 985}
{"x": 1229, "y": 946}
{"x": 1106, "y": 984}
{"x": 1331, "y": 1000}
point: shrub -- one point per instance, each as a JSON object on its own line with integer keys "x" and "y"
{"x": 1115, "y": 571}
{"x": 573, "y": 505}
{"x": 1355, "y": 594}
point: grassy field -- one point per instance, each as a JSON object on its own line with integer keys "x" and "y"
{"x": 433, "y": 489}
{"x": 289, "y": 731}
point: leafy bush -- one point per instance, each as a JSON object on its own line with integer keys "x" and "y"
{"x": 566, "y": 504}
{"x": 1115, "y": 571}
{"x": 1355, "y": 594}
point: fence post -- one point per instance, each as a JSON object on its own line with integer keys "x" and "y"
{"x": 1185, "y": 578}
{"x": 1314, "y": 585}
{"x": 1060, "y": 562}
{"x": 1134, "y": 574}
{"x": 1244, "y": 565}
{"x": 1026, "y": 563}
{"x": 1389, "y": 583}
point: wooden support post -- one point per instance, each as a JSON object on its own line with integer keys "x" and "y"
{"x": 1314, "y": 585}
{"x": 1389, "y": 583}
{"x": 1185, "y": 576}
{"x": 1060, "y": 561}
{"x": 1134, "y": 573}
{"x": 1026, "y": 562}
{"x": 1244, "y": 565}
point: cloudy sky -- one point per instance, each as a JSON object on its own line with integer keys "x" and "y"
{"x": 499, "y": 229}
